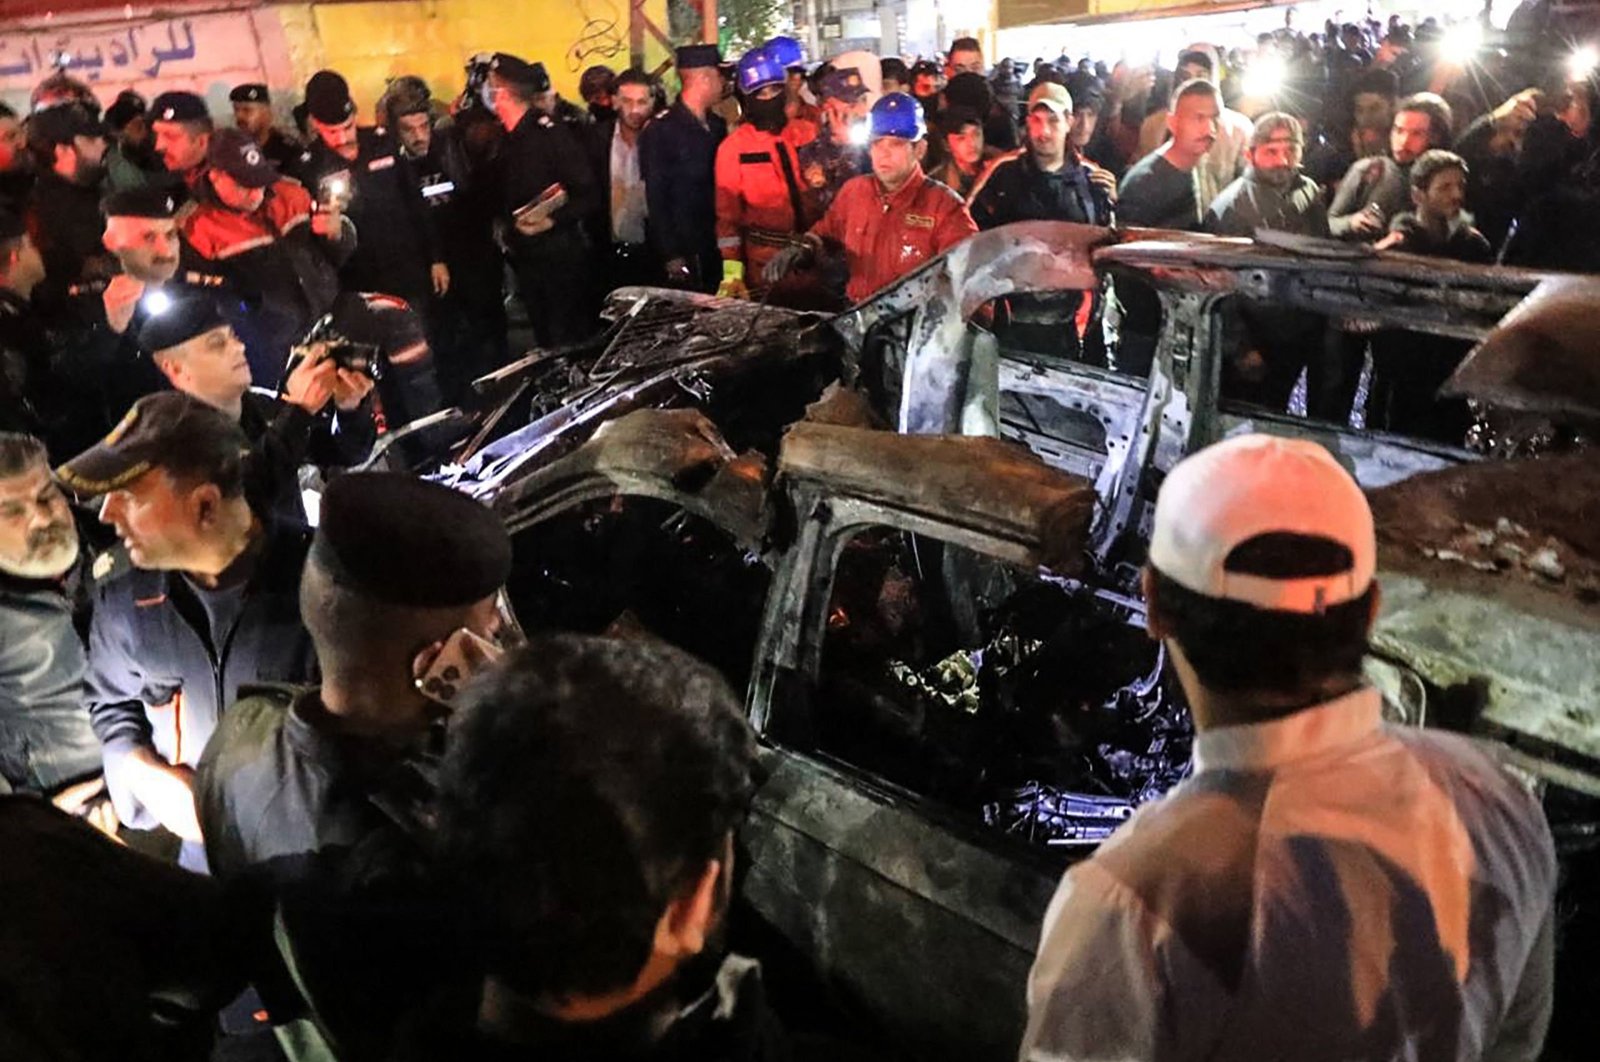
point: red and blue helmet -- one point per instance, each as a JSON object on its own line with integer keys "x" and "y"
{"x": 897, "y": 115}
{"x": 757, "y": 70}
{"x": 785, "y": 51}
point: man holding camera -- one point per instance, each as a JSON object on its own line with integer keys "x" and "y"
{"x": 200, "y": 355}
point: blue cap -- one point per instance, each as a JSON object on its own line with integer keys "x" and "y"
{"x": 785, "y": 51}
{"x": 897, "y": 115}
{"x": 757, "y": 70}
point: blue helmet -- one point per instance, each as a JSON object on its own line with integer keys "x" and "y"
{"x": 785, "y": 51}
{"x": 757, "y": 70}
{"x": 897, "y": 115}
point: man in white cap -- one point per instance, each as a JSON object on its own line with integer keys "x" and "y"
{"x": 1324, "y": 886}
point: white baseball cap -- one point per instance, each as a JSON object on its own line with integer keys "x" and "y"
{"x": 1229, "y": 493}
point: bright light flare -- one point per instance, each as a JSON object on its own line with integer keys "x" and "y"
{"x": 1265, "y": 76}
{"x": 860, "y": 133}
{"x": 1583, "y": 61}
{"x": 1461, "y": 42}
{"x": 157, "y": 303}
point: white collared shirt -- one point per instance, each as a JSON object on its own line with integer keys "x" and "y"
{"x": 1325, "y": 886}
{"x": 628, "y": 206}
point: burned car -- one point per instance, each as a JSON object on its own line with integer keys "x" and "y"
{"x": 938, "y": 627}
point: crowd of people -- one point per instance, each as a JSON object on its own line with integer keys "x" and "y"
{"x": 192, "y": 314}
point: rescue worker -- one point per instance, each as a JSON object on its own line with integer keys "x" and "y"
{"x": 361, "y": 173}
{"x": 890, "y": 221}
{"x": 208, "y": 605}
{"x": 252, "y": 112}
{"x": 760, "y": 203}
{"x": 1049, "y": 181}
{"x": 542, "y": 159}
{"x": 677, "y": 157}
{"x": 199, "y": 354}
{"x": 183, "y": 130}
{"x": 46, "y": 744}
{"x": 468, "y": 322}
{"x": 277, "y": 250}
{"x": 839, "y": 150}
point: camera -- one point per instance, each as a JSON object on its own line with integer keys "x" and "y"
{"x": 343, "y": 351}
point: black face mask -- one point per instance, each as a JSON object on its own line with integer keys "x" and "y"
{"x": 766, "y": 115}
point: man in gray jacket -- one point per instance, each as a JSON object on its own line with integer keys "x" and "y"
{"x": 1273, "y": 343}
{"x": 46, "y": 743}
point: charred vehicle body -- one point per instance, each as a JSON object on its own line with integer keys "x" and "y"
{"x": 938, "y": 627}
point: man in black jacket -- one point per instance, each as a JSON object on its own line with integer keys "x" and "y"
{"x": 678, "y": 156}
{"x": 210, "y": 605}
{"x": 397, "y": 251}
{"x": 45, "y": 739}
{"x": 620, "y": 224}
{"x": 549, "y": 248}
{"x": 198, "y": 352}
{"x": 64, "y": 217}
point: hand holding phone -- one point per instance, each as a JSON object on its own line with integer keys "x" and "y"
{"x": 462, "y": 655}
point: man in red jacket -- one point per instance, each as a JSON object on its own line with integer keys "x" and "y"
{"x": 890, "y": 221}
{"x": 760, "y": 205}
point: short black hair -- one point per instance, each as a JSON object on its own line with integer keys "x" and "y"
{"x": 521, "y": 91}
{"x": 6, "y": 111}
{"x": 1432, "y": 163}
{"x": 1236, "y": 647}
{"x": 355, "y": 633}
{"x": 965, "y": 44}
{"x": 633, "y": 76}
{"x": 19, "y": 453}
{"x": 1197, "y": 58}
{"x": 587, "y": 784}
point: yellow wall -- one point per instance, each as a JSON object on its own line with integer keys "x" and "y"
{"x": 372, "y": 41}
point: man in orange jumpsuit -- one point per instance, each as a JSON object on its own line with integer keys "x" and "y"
{"x": 890, "y": 221}
{"x": 760, "y": 209}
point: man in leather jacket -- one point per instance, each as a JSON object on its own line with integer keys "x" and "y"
{"x": 45, "y": 739}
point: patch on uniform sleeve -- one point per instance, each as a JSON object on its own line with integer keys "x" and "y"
{"x": 814, "y": 175}
{"x": 751, "y": 158}
{"x": 381, "y": 163}
{"x": 919, "y": 221}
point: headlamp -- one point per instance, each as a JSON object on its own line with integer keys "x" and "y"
{"x": 156, "y": 303}
{"x": 1582, "y": 62}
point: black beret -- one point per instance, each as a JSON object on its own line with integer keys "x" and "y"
{"x": 328, "y": 98}
{"x": 12, "y": 224}
{"x": 519, "y": 71}
{"x": 253, "y": 92}
{"x": 142, "y": 201}
{"x": 178, "y": 107}
{"x": 178, "y": 322}
{"x": 163, "y": 430}
{"x": 128, "y": 106}
{"x": 698, "y": 57}
{"x": 410, "y": 542}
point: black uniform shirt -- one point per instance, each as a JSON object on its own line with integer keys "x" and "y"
{"x": 678, "y": 160}
{"x": 1016, "y": 189}
{"x": 395, "y": 240}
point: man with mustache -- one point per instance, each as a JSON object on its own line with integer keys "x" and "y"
{"x": 211, "y": 605}
{"x": 1160, "y": 191}
{"x": 68, "y": 146}
{"x": 46, "y": 744}
{"x": 1276, "y": 194}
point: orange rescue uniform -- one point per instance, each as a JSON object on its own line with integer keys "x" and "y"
{"x": 760, "y": 208}
{"x": 887, "y": 235}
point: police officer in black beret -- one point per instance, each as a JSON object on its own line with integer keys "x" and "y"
{"x": 252, "y": 112}
{"x": 201, "y": 600}
{"x": 400, "y": 594}
{"x": 678, "y": 157}
{"x": 183, "y": 127}
{"x": 542, "y": 160}
{"x": 397, "y": 251}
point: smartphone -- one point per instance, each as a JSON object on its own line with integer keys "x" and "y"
{"x": 462, "y": 655}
